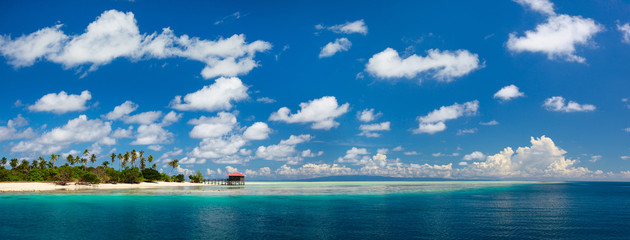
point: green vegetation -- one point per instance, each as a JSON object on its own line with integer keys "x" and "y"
{"x": 42, "y": 170}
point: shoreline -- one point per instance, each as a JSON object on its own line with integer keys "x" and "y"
{"x": 46, "y": 186}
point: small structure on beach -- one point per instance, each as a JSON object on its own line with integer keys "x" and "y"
{"x": 234, "y": 178}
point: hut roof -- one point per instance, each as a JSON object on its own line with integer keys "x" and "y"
{"x": 236, "y": 174}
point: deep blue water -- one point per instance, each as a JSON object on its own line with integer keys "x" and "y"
{"x": 536, "y": 211}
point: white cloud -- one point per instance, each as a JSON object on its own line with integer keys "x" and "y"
{"x": 440, "y": 65}
{"x": 347, "y": 28}
{"x": 217, "y": 126}
{"x": 285, "y": 150}
{"x": 61, "y": 103}
{"x": 156, "y": 148}
{"x": 625, "y": 157}
{"x": 265, "y": 100}
{"x": 466, "y": 131}
{"x": 12, "y": 131}
{"x": 542, "y": 159}
{"x": 397, "y": 149}
{"x": 143, "y": 118}
{"x": 339, "y": 45}
{"x": 490, "y": 123}
{"x": 27, "y": 49}
{"x": 627, "y": 129}
{"x": 78, "y": 130}
{"x": 123, "y": 133}
{"x": 508, "y": 93}
{"x": 262, "y": 172}
{"x": 121, "y": 110}
{"x": 439, "y": 154}
{"x": 355, "y": 156}
{"x": 257, "y": 131}
{"x": 170, "y": 118}
{"x": 411, "y": 153}
{"x": 434, "y": 121}
{"x": 542, "y": 6}
{"x": 558, "y": 37}
{"x": 368, "y": 115}
{"x": 219, "y": 149}
{"x": 321, "y": 112}
{"x": 595, "y": 158}
{"x": 625, "y": 31}
{"x": 215, "y": 97}
{"x": 152, "y": 134}
{"x": 476, "y": 155}
{"x": 370, "y": 130}
{"x": 115, "y": 34}
{"x": 558, "y": 104}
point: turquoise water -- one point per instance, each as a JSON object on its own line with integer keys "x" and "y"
{"x": 392, "y": 210}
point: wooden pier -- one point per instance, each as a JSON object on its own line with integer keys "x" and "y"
{"x": 223, "y": 182}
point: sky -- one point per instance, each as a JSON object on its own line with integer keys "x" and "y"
{"x": 522, "y": 89}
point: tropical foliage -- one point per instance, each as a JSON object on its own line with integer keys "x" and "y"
{"x": 76, "y": 169}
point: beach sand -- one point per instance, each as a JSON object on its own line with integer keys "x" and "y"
{"x": 41, "y": 187}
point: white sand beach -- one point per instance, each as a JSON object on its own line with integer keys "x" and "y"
{"x": 40, "y": 186}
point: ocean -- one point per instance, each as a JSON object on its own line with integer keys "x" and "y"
{"x": 341, "y": 210}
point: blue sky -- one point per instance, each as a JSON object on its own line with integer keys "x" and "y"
{"x": 527, "y": 89}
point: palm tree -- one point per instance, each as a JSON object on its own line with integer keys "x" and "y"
{"x": 42, "y": 162}
{"x": 154, "y": 166}
{"x": 141, "y": 155}
{"x": 143, "y": 163}
{"x": 113, "y": 156}
{"x": 70, "y": 159}
{"x": 120, "y": 157}
{"x": 173, "y": 164}
{"x": 4, "y": 161}
{"x": 150, "y": 159}
{"x": 106, "y": 164}
{"x": 14, "y": 162}
{"x": 126, "y": 159}
{"x": 93, "y": 159}
{"x": 53, "y": 158}
{"x": 134, "y": 157}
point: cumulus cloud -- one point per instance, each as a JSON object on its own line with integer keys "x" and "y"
{"x": 14, "y": 129}
{"x": 541, "y": 6}
{"x": 354, "y": 155}
{"x": 558, "y": 37}
{"x": 285, "y": 150}
{"x": 368, "y": 115}
{"x": 321, "y": 112}
{"x": 123, "y": 133}
{"x": 121, "y": 110}
{"x": 152, "y": 134}
{"x": 358, "y": 26}
{"x": 78, "y": 130}
{"x": 143, "y": 118}
{"x": 476, "y": 155}
{"x": 221, "y": 149}
{"x": 440, "y": 65}
{"x": 339, "y": 45}
{"x": 218, "y": 126}
{"x": 508, "y": 93}
{"x": 625, "y": 32}
{"x": 542, "y": 159}
{"x": 170, "y": 118}
{"x": 558, "y": 104}
{"x": 411, "y": 153}
{"x": 217, "y": 96}
{"x": 257, "y": 131}
{"x": 115, "y": 34}
{"x": 371, "y": 130}
{"x": 61, "y": 103}
{"x": 434, "y": 121}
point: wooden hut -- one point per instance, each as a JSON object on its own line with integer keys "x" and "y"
{"x": 236, "y": 178}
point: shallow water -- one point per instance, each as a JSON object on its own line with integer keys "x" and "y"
{"x": 350, "y": 210}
